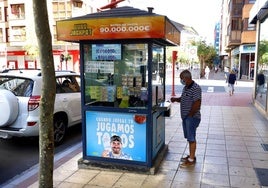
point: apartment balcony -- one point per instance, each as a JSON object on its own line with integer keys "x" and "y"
{"x": 248, "y": 37}
{"x": 234, "y": 39}
{"x": 246, "y": 10}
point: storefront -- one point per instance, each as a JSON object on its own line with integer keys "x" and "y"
{"x": 242, "y": 59}
{"x": 258, "y": 16}
{"x": 123, "y": 60}
{"x": 17, "y": 58}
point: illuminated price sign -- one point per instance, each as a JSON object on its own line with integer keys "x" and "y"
{"x": 106, "y": 52}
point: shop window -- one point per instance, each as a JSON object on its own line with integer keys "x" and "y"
{"x": 262, "y": 66}
{"x": 17, "y": 11}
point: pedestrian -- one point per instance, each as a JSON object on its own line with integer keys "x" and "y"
{"x": 207, "y": 70}
{"x": 231, "y": 82}
{"x": 260, "y": 82}
{"x": 252, "y": 73}
{"x": 226, "y": 73}
{"x": 190, "y": 100}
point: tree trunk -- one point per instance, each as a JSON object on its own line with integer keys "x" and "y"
{"x": 46, "y": 132}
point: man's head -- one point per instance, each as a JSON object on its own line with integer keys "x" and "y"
{"x": 186, "y": 77}
{"x": 116, "y": 144}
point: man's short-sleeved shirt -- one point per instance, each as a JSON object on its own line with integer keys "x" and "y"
{"x": 189, "y": 95}
{"x": 121, "y": 156}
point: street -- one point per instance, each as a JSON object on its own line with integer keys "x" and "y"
{"x": 20, "y": 154}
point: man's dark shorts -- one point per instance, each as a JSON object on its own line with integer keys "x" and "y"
{"x": 190, "y": 125}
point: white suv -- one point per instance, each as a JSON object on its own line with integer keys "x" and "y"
{"x": 20, "y": 92}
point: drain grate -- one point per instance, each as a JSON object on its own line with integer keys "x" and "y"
{"x": 265, "y": 147}
{"x": 262, "y": 175}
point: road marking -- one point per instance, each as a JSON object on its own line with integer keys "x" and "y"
{"x": 210, "y": 90}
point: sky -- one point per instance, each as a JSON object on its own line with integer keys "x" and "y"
{"x": 202, "y": 15}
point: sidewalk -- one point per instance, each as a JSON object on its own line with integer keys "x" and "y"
{"x": 231, "y": 151}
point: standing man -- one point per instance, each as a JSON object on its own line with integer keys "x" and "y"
{"x": 190, "y": 100}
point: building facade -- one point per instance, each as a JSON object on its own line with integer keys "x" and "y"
{"x": 18, "y": 45}
{"x": 238, "y": 37}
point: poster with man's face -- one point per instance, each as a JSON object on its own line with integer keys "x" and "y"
{"x": 116, "y": 135}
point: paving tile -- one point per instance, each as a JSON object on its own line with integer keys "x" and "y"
{"x": 166, "y": 174}
{"x": 242, "y": 171}
{"x": 240, "y": 162}
{"x": 170, "y": 165}
{"x": 157, "y": 181}
{"x": 216, "y": 146}
{"x": 237, "y": 148}
{"x": 131, "y": 180}
{"x": 215, "y": 168}
{"x": 215, "y": 179}
{"x": 105, "y": 179}
{"x": 215, "y": 160}
{"x": 197, "y": 168}
{"x": 178, "y": 184}
{"x": 238, "y": 154}
{"x": 216, "y": 153}
{"x": 188, "y": 177}
{"x": 82, "y": 176}
{"x": 260, "y": 163}
{"x": 259, "y": 156}
{"x": 244, "y": 182}
{"x": 70, "y": 185}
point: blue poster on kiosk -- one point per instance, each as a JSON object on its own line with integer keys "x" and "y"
{"x": 114, "y": 135}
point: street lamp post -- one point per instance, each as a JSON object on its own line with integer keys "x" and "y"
{"x": 174, "y": 58}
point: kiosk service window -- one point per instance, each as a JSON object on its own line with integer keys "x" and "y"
{"x": 116, "y": 75}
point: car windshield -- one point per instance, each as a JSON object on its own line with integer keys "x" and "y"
{"x": 19, "y": 86}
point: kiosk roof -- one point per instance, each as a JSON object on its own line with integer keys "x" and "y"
{"x": 117, "y": 24}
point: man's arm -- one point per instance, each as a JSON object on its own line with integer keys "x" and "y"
{"x": 195, "y": 107}
{"x": 175, "y": 99}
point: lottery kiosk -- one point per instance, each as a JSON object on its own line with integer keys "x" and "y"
{"x": 122, "y": 64}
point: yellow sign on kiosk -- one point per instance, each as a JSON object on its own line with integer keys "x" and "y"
{"x": 140, "y": 27}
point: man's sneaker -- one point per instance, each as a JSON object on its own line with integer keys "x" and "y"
{"x": 187, "y": 163}
{"x": 183, "y": 159}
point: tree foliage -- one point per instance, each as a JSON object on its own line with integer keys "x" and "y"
{"x": 206, "y": 53}
{"x": 263, "y": 52}
{"x": 46, "y": 130}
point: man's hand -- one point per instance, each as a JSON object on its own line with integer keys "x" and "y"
{"x": 175, "y": 99}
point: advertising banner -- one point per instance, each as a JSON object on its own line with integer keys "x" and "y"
{"x": 112, "y": 28}
{"x": 118, "y": 136}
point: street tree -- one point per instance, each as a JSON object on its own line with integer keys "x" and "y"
{"x": 46, "y": 138}
{"x": 206, "y": 54}
{"x": 263, "y": 53}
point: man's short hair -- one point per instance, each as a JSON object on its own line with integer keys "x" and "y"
{"x": 115, "y": 138}
{"x": 186, "y": 74}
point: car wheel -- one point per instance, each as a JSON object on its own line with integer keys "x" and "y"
{"x": 60, "y": 128}
{"x": 9, "y": 107}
